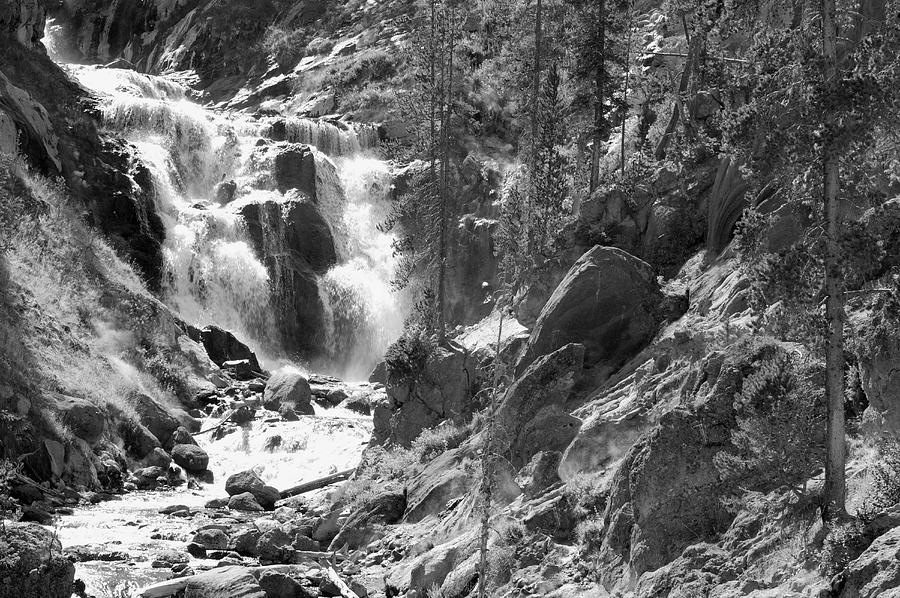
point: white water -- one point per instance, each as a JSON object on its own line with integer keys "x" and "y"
{"x": 212, "y": 274}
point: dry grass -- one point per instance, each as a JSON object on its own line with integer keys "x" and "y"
{"x": 71, "y": 309}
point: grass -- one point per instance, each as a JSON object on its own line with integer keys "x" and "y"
{"x": 71, "y": 310}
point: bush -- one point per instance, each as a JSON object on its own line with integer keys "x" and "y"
{"x": 587, "y": 493}
{"x": 287, "y": 47}
{"x": 844, "y": 542}
{"x": 406, "y": 358}
{"x": 432, "y": 442}
{"x": 884, "y": 491}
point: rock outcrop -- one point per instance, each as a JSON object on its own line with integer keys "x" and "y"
{"x": 32, "y": 564}
{"x": 609, "y": 301}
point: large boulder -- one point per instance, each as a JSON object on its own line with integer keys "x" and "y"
{"x": 83, "y": 418}
{"x": 190, "y": 457}
{"x": 288, "y": 388}
{"x": 876, "y": 572}
{"x": 249, "y": 481}
{"x": 224, "y": 582}
{"x": 32, "y": 564}
{"x": 139, "y": 441}
{"x": 222, "y": 345}
{"x": 609, "y": 301}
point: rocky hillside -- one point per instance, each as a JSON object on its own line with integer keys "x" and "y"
{"x": 647, "y": 349}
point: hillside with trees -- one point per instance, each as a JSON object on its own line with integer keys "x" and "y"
{"x": 449, "y": 298}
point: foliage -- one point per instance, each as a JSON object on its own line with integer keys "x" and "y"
{"x": 432, "y": 442}
{"x": 778, "y": 439}
{"x": 884, "y": 491}
{"x": 406, "y": 357}
{"x": 844, "y": 542}
{"x": 587, "y": 494}
{"x": 286, "y": 46}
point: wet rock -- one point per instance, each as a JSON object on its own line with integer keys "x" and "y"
{"x": 335, "y": 396}
{"x": 288, "y": 388}
{"x": 216, "y": 503}
{"x": 32, "y": 564}
{"x": 196, "y": 550}
{"x": 83, "y": 554}
{"x": 359, "y": 402}
{"x": 225, "y": 192}
{"x": 83, "y": 418}
{"x": 609, "y": 301}
{"x": 239, "y": 369}
{"x": 249, "y": 481}
{"x": 182, "y": 436}
{"x": 244, "y": 502}
{"x": 191, "y": 457}
{"x": 148, "y": 477}
{"x": 167, "y": 559}
{"x": 288, "y": 414}
{"x": 26, "y": 494}
{"x": 36, "y": 515}
{"x": 222, "y": 346}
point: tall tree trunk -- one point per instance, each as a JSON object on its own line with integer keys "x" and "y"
{"x": 625, "y": 86}
{"x": 835, "y": 482}
{"x": 599, "y": 113}
{"x": 487, "y": 468}
{"x": 446, "y": 104}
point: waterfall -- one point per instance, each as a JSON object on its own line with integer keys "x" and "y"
{"x": 221, "y": 270}
{"x": 364, "y": 313}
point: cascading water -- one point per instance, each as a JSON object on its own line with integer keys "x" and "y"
{"x": 213, "y": 275}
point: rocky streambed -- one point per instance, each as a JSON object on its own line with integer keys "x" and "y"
{"x": 175, "y": 526}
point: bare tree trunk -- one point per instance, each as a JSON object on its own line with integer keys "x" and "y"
{"x": 835, "y": 482}
{"x": 446, "y": 107}
{"x": 487, "y": 471}
{"x": 599, "y": 113}
{"x": 625, "y": 87}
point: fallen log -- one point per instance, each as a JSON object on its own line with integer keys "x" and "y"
{"x": 342, "y": 587}
{"x": 318, "y": 483}
{"x": 218, "y": 425}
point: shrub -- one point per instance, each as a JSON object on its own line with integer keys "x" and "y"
{"x": 382, "y": 469}
{"x": 884, "y": 491}
{"x": 844, "y": 542}
{"x": 287, "y": 47}
{"x": 406, "y": 358}
{"x": 587, "y": 493}
{"x": 439, "y": 439}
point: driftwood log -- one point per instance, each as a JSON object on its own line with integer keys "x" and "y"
{"x": 318, "y": 483}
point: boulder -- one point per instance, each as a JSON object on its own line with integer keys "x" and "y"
{"x": 545, "y": 383}
{"x": 182, "y": 436}
{"x": 876, "y": 572}
{"x": 244, "y": 502}
{"x": 279, "y": 585}
{"x": 288, "y": 414}
{"x": 224, "y": 582}
{"x": 249, "y": 481}
{"x": 551, "y": 429}
{"x": 159, "y": 458}
{"x": 360, "y": 527}
{"x": 154, "y": 417}
{"x": 191, "y": 457}
{"x": 416, "y": 577}
{"x": 441, "y": 389}
{"x": 32, "y": 564}
{"x": 609, "y": 301}
{"x": 274, "y": 546}
{"x": 540, "y": 473}
{"x": 244, "y": 541}
{"x": 290, "y": 388}
{"x": 82, "y": 417}
{"x": 47, "y": 462}
{"x": 222, "y": 346}
{"x": 211, "y": 539}
{"x": 139, "y": 441}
